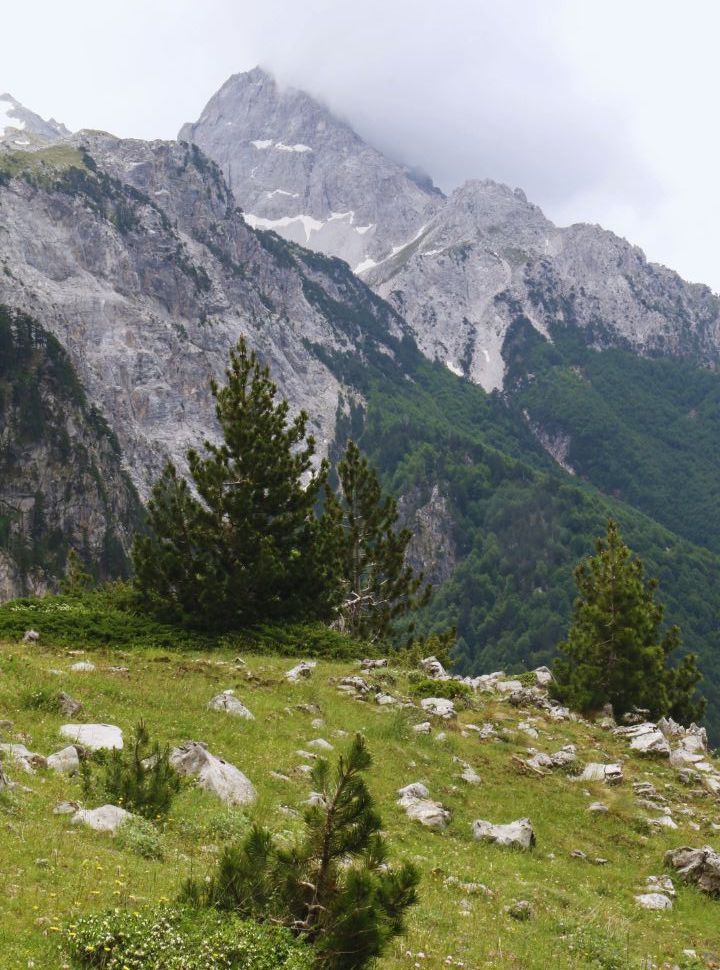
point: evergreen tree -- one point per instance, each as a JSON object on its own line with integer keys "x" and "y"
{"x": 378, "y": 585}
{"x": 334, "y": 888}
{"x": 615, "y": 651}
{"x": 140, "y": 778}
{"x": 243, "y": 544}
{"x": 77, "y": 580}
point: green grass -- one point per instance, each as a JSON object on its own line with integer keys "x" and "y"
{"x": 584, "y": 914}
{"x": 42, "y": 163}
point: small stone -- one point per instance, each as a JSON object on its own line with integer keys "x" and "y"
{"x": 301, "y": 671}
{"x": 424, "y": 728}
{"x": 470, "y": 776}
{"x": 321, "y": 744}
{"x": 599, "y": 807}
{"x": 520, "y": 909}
{"x": 67, "y": 705}
{"x": 31, "y": 636}
{"x": 653, "y": 901}
{"x": 373, "y": 664}
{"x": 82, "y": 667}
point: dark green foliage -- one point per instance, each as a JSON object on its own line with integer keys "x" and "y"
{"x": 615, "y": 650}
{"x": 139, "y": 777}
{"x": 248, "y": 548}
{"x": 378, "y": 586}
{"x": 179, "y": 939}
{"x": 333, "y": 888}
{"x": 454, "y": 690}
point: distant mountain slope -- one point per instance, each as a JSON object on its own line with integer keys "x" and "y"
{"x": 299, "y": 170}
{"x": 62, "y": 484}
{"x": 458, "y": 269}
{"x": 135, "y": 256}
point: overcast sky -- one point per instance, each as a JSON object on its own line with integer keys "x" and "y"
{"x": 603, "y": 111}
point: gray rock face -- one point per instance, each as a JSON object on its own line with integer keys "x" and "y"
{"x": 300, "y": 171}
{"x": 107, "y": 818}
{"x": 699, "y": 866}
{"x": 213, "y": 774}
{"x": 519, "y": 833}
{"x": 148, "y": 304}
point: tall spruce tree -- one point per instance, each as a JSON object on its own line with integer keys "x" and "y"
{"x": 334, "y": 886}
{"x": 616, "y": 651}
{"x": 243, "y": 544}
{"x": 378, "y": 585}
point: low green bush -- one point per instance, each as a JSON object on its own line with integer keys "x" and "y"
{"x": 453, "y": 690}
{"x": 138, "y": 835}
{"x": 174, "y": 938}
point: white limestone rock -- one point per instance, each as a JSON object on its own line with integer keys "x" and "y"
{"x": 65, "y": 761}
{"x": 213, "y": 774}
{"x": 440, "y": 707}
{"x": 519, "y": 833}
{"x": 226, "y": 701}
{"x": 94, "y": 737}
{"x": 301, "y": 671}
{"x": 107, "y": 818}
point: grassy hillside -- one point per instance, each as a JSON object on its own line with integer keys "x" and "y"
{"x": 584, "y": 915}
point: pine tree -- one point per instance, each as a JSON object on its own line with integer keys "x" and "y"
{"x": 77, "y": 580}
{"x": 379, "y": 586}
{"x": 242, "y": 544}
{"x": 615, "y": 651}
{"x": 140, "y": 778}
{"x": 335, "y": 887}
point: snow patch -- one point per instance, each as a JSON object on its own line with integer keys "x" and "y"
{"x": 292, "y": 195}
{"x": 292, "y": 148}
{"x": 366, "y": 264}
{"x": 453, "y": 368}
{"x": 262, "y": 144}
{"x": 363, "y": 229}
{"x": 431, "y": 252}
{"x": 309, "y": 224}
{"x": 334, "y": 216}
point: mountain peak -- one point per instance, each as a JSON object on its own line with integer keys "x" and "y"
{"x": 22, "y": 128}
{"x": 298, "y": 169}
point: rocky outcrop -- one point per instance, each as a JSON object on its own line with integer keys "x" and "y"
{"x": 94, "y": 737}
{"x": 699, "y": 866}
{"x": 519, "y": 834}
{"x": 21, "y": 128}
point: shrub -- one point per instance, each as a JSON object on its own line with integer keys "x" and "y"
{"x": 453, "y": 690}
{"x": 178, "y": 939}
{"x": 140, "y": 777}
{"x": 333, "y": 887}
{"x": 228, "y": 826}
{"x": 138, "y": 835}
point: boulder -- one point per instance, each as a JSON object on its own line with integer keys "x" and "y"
{"x": 25, "y": 759}
{"x": 66, "y": 760}
{"x": 95, "y": 737}
{"x": 543, "y": 676}
{"x": 385, "y": 699}
{"x": 508, "y": 686}
{"x": 420, "y": 808}
{"x": 439, "y": 707}
{"x": 610, "y": 774}
{"x": 519, "y": 833}
{"x": 300, "y": 671}
{"x": 108, "y": 818}
{"x": 661, "y": 884}
{"x": 226, "y": 701}
{"x": 433, "y": 668}
{"x": 699, "y": 866}
{"x": 654, "y": 901}
{"x": 82, "y": 667}
{"x": 67, "y": 705}
{"x": 645, "y": 738}
{"x": 599, "y": 807}
{"x": 370, "y": 664}
{"x": 31, "y": 636}
{"x": 565, "y": 756}
{"x": 355, "y": 683}
{"x": 212, "y": 773}
{"x": 320, "y": 744}
{"x": 425, "y": 727}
